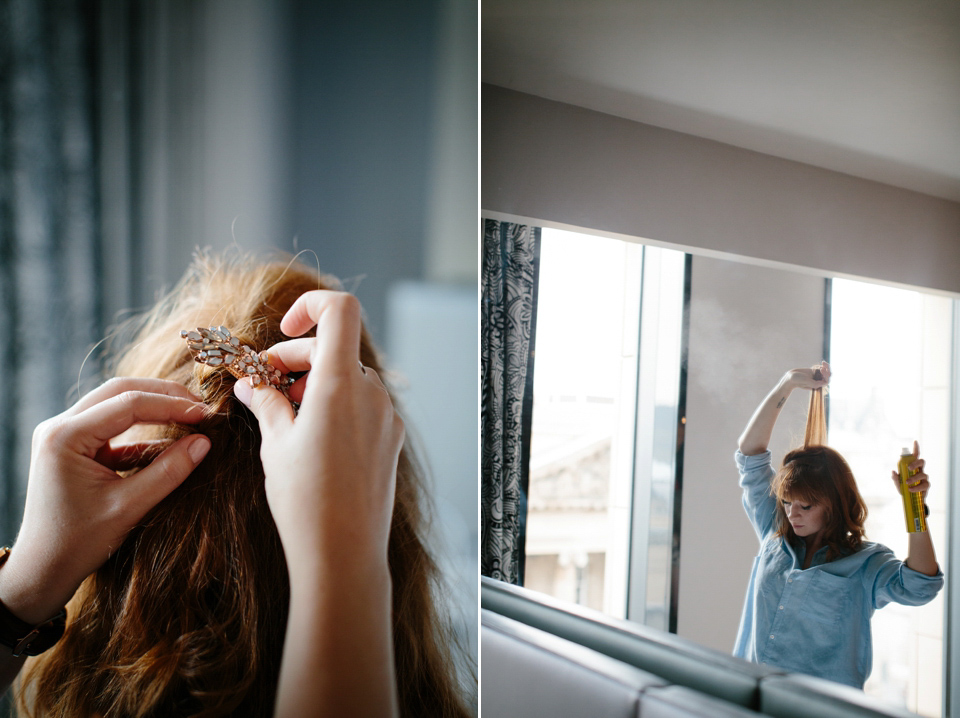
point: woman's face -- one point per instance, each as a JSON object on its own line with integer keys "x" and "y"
{"x": 807, "y": 519}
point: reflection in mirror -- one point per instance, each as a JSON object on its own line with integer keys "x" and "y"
{"x": 613, "y": 443}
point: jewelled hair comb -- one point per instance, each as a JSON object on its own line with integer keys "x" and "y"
{"x": 216, "y": 347}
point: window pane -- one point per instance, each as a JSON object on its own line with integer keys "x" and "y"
{"x": 652, "y": 588}
{"x": 891, "y": 354}
{"x": 582, "y": 437}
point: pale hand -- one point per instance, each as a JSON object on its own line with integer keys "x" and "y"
{"x": 78, "y": 508}
{"x": 804, "y": 378}
{"x": 331, "y": 469}
{"x": 919, "y": 481}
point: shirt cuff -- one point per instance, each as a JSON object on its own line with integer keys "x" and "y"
{"x": 921, "y": 583}
{"x": 746, "y": 463}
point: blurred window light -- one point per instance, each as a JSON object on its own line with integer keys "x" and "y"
{"x": 584, "y": 439}
{"x": 891, "y": 355}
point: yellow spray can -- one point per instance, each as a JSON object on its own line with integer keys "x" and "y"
{"x": 912, "y": 500}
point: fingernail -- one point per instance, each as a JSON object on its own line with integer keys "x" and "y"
{"x": 243, "y": 391}
{"x": 199, "y": 448}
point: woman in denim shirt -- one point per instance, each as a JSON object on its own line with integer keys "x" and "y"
{"x": 816, "y": 582}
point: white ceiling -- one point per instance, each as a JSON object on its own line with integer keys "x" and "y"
{"x": 866, "y": 87}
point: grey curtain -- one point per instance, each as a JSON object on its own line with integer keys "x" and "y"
{"x": 507, "y": 339}
{"x": 48, "y": 225}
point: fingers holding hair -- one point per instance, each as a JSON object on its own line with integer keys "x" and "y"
{"x": 806, "y": 378}
{"x": 123, "y": 457}
{"x": 119, "y": 385}
{"x": 93, "y": 428}
{"x": 153, "y": 483}
{"x": 824, "y": 368}
{"x": 337, "y": 317}
{"x": 274, "y": 413}
{"x": 332, "y": 357}
{"x": 292, "y": 355}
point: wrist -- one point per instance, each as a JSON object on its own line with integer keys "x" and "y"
{"x": 348, "y": 570}
{"x": 356, "y": 590}
{"x": 345, "y": 563}
{"x": 28, "y": 637}
{"x": 335, "y": 549}
{"x": 786, "y": 384}
{"x": 27, "y": 594}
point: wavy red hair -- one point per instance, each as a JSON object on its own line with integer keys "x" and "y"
{"x": 820, "y": 475}
{"x": 817, "y": 474}
{"x": 187, "y": 616}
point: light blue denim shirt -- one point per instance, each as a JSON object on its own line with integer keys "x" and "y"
{"x": 815, "y": 621}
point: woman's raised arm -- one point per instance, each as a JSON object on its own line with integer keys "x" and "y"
{"x": 756, "y": 436}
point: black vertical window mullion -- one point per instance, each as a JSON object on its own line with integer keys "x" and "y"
{"x": 678, "y": 459}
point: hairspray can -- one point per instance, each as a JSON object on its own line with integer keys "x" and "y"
{"x": 912, "y": 500}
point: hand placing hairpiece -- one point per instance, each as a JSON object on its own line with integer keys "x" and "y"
{"x": 216, "y": 347}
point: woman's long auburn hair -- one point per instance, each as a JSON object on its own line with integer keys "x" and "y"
{"x": 187, "y": 617}
{"x": 817, "y": 474}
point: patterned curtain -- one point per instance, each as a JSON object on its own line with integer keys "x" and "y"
{"x": 48, "y": 225}
{"x": 507, "y": 337}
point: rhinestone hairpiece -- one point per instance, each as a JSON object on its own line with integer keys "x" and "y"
{"x": 216, "y": 347}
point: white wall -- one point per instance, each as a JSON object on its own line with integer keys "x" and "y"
{"x": 748, "y": 325}
{"x": 550, "y": 161}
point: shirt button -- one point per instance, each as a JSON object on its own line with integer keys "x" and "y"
{"x": 789, "y": 580}
{"x": 771, "y": 636}
{"x": 781, "y": 608}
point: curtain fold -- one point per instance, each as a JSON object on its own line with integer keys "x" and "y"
{"x": 48, "y": 221}
{"x": 510, "y": 260}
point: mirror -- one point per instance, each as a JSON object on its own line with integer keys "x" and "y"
{"x": 634, "y": 507}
